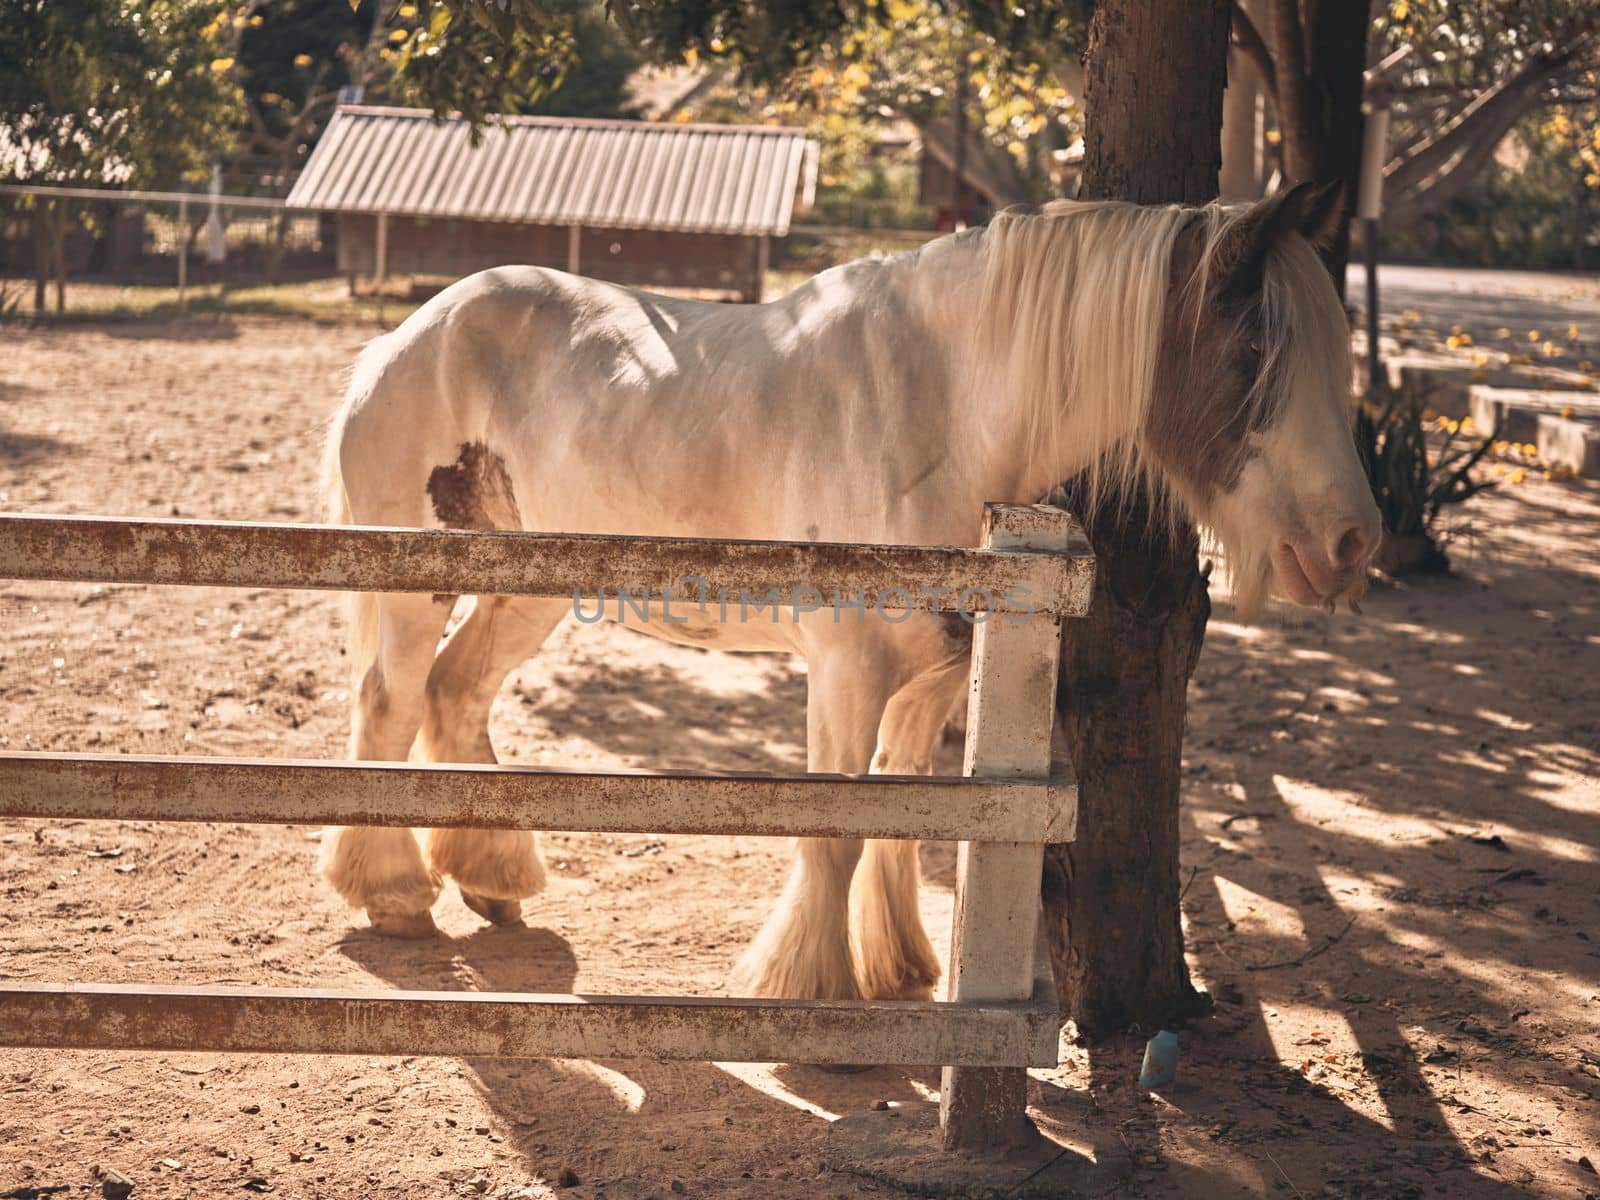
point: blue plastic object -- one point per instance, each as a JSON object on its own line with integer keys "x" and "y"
{"x": 1160, "y": 1061}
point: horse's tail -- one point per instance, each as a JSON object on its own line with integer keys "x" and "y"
{"x": 360, "y": 608}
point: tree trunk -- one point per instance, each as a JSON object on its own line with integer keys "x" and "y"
{"x": 1336, "y": 32}
{"x": 1242, "y": 133}
{"x": 1319, "y": 49}
{"x": 1153, "y": 94}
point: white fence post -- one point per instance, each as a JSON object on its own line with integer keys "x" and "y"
{"x": 183, "y": 253}
{"x": 992, "y": 956}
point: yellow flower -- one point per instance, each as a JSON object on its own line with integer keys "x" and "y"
{"x": 1502, "y": 332}
{"x": 1467, "y": 424}
{"x": 1501, "y": 447}
{"x": 1517, "y": 476}
{"x": 1466, "y": 339}
{"x": 1453, "y": 341}
{"x": 1533, "y": 335}
{"x": 1572, "y": 332}
{"x": 397, "y": 35}
{"x": 302, "y": 61}
{"x": 1529, "y": 450}
{"x": 257, "y": 21}
{"x": 219, "y": 65}
{"x": 406, "y": 11}
{"x": 1567, "y": 411}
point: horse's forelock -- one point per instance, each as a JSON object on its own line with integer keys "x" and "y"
{"x": 1231, "y": 360}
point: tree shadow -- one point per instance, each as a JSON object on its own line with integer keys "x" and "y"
{"x": 29, "y": 449}
{"x": 166, "y": 323}
{"x": 622, "y": 710}
{"x": 1371, "y": 821}
{"x": 627, "y": 1128}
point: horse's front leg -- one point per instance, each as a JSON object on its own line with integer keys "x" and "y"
{"x": 803, "y": 950}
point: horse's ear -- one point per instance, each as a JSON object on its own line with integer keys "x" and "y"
{"x": 1321, "y": 214}
{"x": 1240, "y": 256}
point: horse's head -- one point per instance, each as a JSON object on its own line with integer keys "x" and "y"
{"x": 1250, "y": 415}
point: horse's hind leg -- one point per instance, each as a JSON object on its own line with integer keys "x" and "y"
{"x": 803, "y": 950}
{"x": 381, "y": 869}
{"x": 894, "y": 958}
{"x": 494, "y": 868}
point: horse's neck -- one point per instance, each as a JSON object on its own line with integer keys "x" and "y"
{"x": 1014, "y": 452}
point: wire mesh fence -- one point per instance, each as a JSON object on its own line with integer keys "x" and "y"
{"x": 154, "y": 240}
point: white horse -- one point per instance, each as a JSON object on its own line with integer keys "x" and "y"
{"x": 884, "y": 401}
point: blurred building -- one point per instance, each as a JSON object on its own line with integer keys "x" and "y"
{"x": 654, "y": 205}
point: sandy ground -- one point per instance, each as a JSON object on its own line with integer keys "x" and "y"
{"x": 1390, "y": 841}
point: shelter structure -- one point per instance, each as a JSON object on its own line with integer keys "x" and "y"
{"x": 652, "y": 205}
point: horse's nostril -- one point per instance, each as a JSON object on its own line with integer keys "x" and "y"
{"x": 1351, "y": 548}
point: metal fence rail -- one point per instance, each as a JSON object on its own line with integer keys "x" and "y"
{"x": 528, "y": 1025}
{"x": 289, "y": 792}
{"x": 1001, "y": 1015}
{"x": 94, "y": 549}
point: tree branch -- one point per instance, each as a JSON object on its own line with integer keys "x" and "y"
{"x": 1444, "y": 186}
{"x": 1498, "y": 107}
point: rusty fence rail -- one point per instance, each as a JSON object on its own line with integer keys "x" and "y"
{"x": 1000, "y": 1015}
{"x": 91, "y": 549}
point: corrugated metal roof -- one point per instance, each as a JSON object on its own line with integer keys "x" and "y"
{"x": 559, "y": 171}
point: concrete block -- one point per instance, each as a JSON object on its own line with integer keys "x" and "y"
{"x": 1517, "y": 410}
{"x": 1572, "y": 442}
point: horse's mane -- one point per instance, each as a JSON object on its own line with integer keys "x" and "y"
{"x": 1074, "y": 297}
{"x": 1073, "y": 301}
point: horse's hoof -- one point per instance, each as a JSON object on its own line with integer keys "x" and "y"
{"x": 411, "y": 925}
{"x": 492, "y": 909}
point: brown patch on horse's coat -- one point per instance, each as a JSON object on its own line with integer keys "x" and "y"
{"x": 475, "y": 491}
{"x": 1201, "y": 414}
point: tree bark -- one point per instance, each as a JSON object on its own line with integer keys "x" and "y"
{"x": 1319, "y": 55}
{"x": 1153, "y": 94}
{"x": 1336, "y": 34}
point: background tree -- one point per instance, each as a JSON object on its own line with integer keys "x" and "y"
{"x": 1460, "y": 76}
{"x": 98, "y": 92}
{"x": 1310, "y": 61}
{"x": 293, "y": 59}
